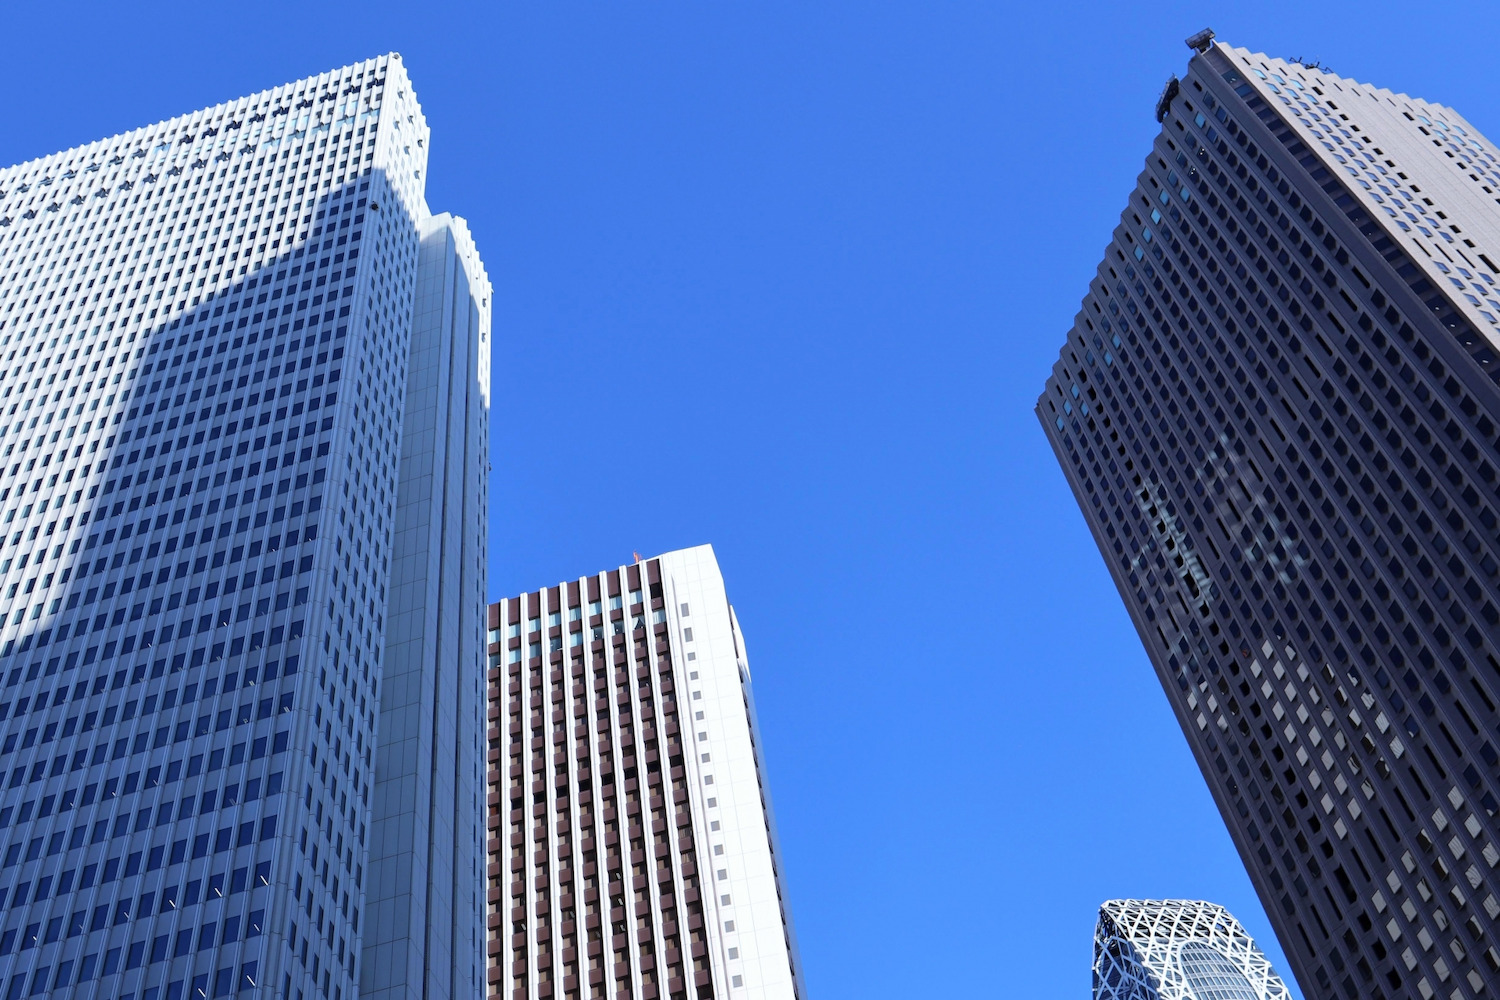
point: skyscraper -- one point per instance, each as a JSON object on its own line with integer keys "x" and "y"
{"x": 1178, "y": 949}
{"x": 632, "y": 849}
{"x": 243, "y": 395}
{"x": 426, "y": 937}
{"x": 1277, "y": 408}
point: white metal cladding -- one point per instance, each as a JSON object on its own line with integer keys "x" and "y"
{"x": 1178, "y": 949}
{"x": 753, "y": 935}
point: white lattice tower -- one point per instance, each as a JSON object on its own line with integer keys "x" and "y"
{"x": 1159, "y": 949}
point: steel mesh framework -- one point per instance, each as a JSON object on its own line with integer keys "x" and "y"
{"x": 1178, "y": 949}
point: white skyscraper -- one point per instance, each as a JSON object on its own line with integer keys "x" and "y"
{"x": 632, "y": 844}
{"x": 1178, "y": 949}
{"x": 243, "y": 408}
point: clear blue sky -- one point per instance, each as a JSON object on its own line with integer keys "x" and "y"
{"x": 787, "y": 277}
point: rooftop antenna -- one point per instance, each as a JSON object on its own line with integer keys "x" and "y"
{"x": 1201, "y": 41}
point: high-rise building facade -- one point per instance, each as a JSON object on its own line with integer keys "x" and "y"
{"x": 425, "y": 937}
{"x": 1178, "y": 949}
{"x": 243, "y": 396}
{"x": 632, "y": 848}
{"x": 1277, "y": 408}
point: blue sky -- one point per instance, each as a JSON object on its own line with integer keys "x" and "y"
{"x": 787, "y": 278}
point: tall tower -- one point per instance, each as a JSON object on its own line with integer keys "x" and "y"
{"x": 242, "y": 413}
{"x": 632, "y": 848}
{"x": 1277, "y": 408}
{"x": 426, "y": 938}
{"x": 1178, "y": 949}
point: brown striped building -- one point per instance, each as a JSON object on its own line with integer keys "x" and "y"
{"x": 631, "y": 846}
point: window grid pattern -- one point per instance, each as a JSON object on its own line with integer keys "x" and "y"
{"x": 1282, "y": 431}
{"x": 594, "y": 881}
{"x": 632, "y": 851}
{"x": 203, "y": 341}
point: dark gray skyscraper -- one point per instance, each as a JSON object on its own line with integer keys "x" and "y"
{"x": 1278, "y": 410}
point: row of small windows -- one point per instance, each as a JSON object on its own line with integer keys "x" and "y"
{"x": 176, "y": 129}
{"x": 290, "y": 539}
{"x": 611, "y": 856}
{"x": 341, "y": 630}
{"x": 1116, "y": 344}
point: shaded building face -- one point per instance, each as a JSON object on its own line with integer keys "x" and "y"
{"x": 206, "y": 330}
{"x": 632, "y": 848}
{"x": 1278, "y": 413}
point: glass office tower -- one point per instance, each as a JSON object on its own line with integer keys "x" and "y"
{"x": 1278, "y": 411}
{"x": 632, "y": 847}
{"x": 1178, "y": 949}
{"x": 243, "y": 386}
